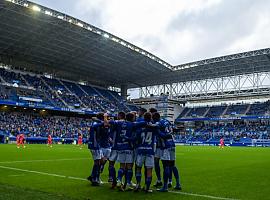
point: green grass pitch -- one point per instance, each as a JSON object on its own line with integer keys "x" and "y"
{"x": 39, "y": 172}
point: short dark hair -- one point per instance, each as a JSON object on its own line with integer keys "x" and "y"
{"x": 156, "y": 116}
{"x": 142, "y": 110}
{"x": 152, "y": 110}
{"x": 121, "y": 115}
{"x": 130, "y": 117}
{"x": 100, "y": 116}
{"x": 147, "y": 116}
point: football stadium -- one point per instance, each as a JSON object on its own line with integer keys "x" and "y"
{"x": 69, "y": 128}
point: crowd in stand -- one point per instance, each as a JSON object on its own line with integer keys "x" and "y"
{"x": 54, "y": 92}
{"x": 246, "y": 130}
{"x": 254, "y": 109}
{"x": 40, "y": 126}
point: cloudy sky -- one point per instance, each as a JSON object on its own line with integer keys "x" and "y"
{"x": 178, "y": 31}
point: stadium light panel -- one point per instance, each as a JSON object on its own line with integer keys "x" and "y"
{"x": 70, "y": 20}
{"x": 48, "y": 13}
{"x": 123, "y": 43}
{"x": 131, "y": 47}
{"x": 36, "y": 8}
{"x": 115, "y": 39}
{"x": 98, "y": 32}
{"x": 79, "y": 24}
{"x": 25, "y": 5}
{"x": 137, "y": 50}
{"x": 89, "y": 28}
{"x": 60, "y": 17}
{"x": 106, "y": 35}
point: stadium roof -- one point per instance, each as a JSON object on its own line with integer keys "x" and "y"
{"x": 44, "y": 40}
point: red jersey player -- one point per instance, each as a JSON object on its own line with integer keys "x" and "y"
{"x": 80, "y": 141}
{"x": 49, "y": 142}
{"x": 221, "y": 143}
{"x": 18, "y": 140}
{"x": 21, "y": 140}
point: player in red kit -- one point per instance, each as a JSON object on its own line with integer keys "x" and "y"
{"x": 80, "y": 141}
{"x": 21, "y": 140}
{"x": 49, "y": 142}
{"x": 221, "y": 143}
{"x": 18, "y": 140}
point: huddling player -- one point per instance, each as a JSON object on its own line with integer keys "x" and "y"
{"x": 133, "y": 141}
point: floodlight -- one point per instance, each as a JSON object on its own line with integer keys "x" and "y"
{"x": 80, "y": 24}
{"x": 48, "y": 13}
{"x": 106, "y": 35}
{"x": 36, "y": 8}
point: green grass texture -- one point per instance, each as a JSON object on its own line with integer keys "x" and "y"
{"x": 40, "y": 172}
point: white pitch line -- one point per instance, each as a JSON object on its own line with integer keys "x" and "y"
{"x": 15, "y": 175}
{"x": 30, "y": 161}
{"x": 202, "y": 195}
{"x": 83, "y": 179}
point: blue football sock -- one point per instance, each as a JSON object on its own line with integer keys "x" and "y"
{"x": 166, "y": 175}
{"x": 148, "y": 182}
{"x": 176, "y": 175}
{"x": 138, "y": 177}
{"x": 157, "y": 170}
{"x": 101, "y": 168}
{"x": 112, "y": 172}
{"x": 95, "y": 172}
{"x": 94, "y": 169}
{"x": 129, "y": 176}
{"x": 120, "y": 174}
{"x": 170, "y": 174}
{"x": 98, "y": 173}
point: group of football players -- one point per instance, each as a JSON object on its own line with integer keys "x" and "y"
{"x": 136, "y": 141}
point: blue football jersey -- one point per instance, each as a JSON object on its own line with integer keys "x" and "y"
{"x": 146, "y": 139}
{"x": 113, "y": 136}
{"x": 165, "y": 138}
{"x": 93, "y": 142}
{"x": 124, "y": 141}
{"x": 104, "y": 137}
{"x": 137, "y": 131}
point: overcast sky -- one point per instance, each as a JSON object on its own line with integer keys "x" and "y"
{"x": 178, "y": 31}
